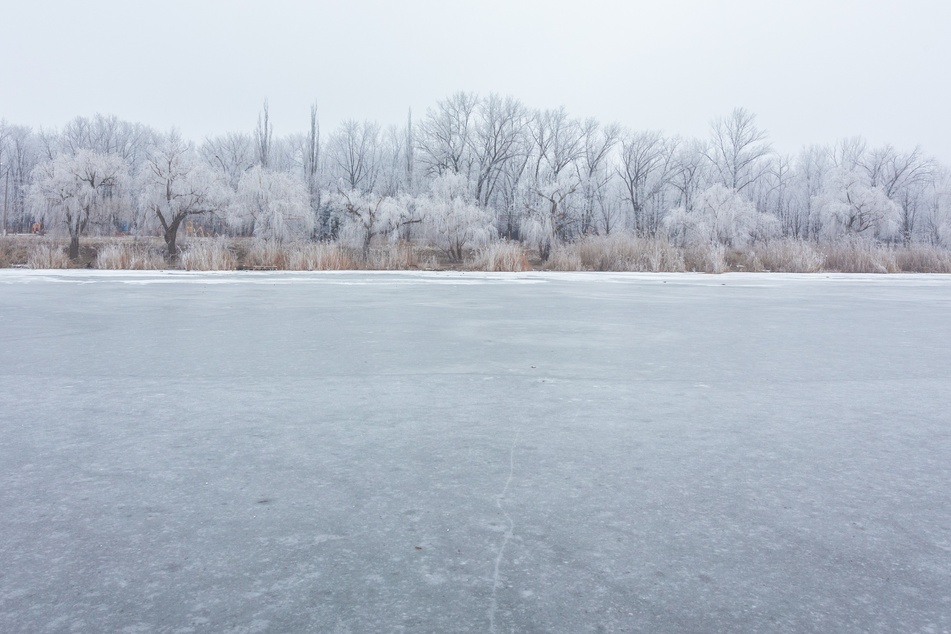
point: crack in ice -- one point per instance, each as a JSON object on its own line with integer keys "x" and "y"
{"x": 494, "y": 603}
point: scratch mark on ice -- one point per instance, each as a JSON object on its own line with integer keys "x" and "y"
{"x": 494, "y": 604}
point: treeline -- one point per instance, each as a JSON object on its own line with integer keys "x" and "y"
{"x": 470, "y": 172}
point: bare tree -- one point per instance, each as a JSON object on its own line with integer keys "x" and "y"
{"x": 497, "y": 139}
{"x": 737, "y": 149}
{"x": 355, "y": 157}
{"x": 312, "y": 169}
{"x": 263, "y": 135}
{"x": 642, "y": 153}
{"x": 444, "y": 136}
{"x": 599, "y": 143}
{"x": 4, "y": 172}
{"x": 903, "y": 177}
{"x": 231, "y": 155}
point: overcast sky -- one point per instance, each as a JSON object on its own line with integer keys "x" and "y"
{"x": 812, "y": 71}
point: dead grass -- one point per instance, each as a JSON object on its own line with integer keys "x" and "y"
{"x": 15, "y": 250}
{"x": 320, "y": 256}
{"x": 565, "y": 257}
{"x": 129, "y": 255}
{"x": 706, "y": 258}
{"x": 626, "y": 252}
{"x": 784, "y": 256}
{"x": 617, "y": 252}
{"x": 393, "y": 257}
{"x": 499, "y": 256}
{"x": 923, "y": 258}
{"x": 268, "y": 255}
{"x": 858, "y": 256}
{"x": 208, "y": 254}
{"x": 47, "y": 253}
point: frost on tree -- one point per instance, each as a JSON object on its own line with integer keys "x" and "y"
{"x": 451, "y": 220}
{"x": 363, "y": 217}
{"x": 551, "y": 208}
{"x": 737, "y": 150}
{"x": 80, "y": 189}
{"x": 849, "y": 206}
{"x": 271, "y": 206}
{"x": 174, "y": 184}
{"x": 720, "y": 216}
{"x": 551, "y": 213}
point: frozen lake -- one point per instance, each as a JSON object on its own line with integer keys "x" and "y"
{"x": 409, "y": 452}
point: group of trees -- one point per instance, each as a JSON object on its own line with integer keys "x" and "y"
{"x": 472, "y": 170}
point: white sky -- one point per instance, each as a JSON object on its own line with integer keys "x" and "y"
{"x": 812, "y": 71}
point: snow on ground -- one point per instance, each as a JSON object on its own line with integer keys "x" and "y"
{"x": 434, "y": 452}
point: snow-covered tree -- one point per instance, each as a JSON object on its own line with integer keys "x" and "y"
{"x": 364, "y": 216}
{"x": 231, "y": 155}
{"x": 720, "y": 216}
{"x": 271, "y": 206}
{"x": 552, "y": 203}
{"x": 174, "y": 184}
{"x": 551, "y": 213}
{"x": 354, "y": 155}
{"x": 904, "y": 177}
{"x": 849, "y": 205}
{"x": 737, "y": 149}
{"x": 596, "y": 175}
{"x": 81, "y": 188}
{"x": 451, "y": 220}
{"x": 645, "y": 167}
{"x": 444, "y": 139}
{"x": 496, "y": 140}
{"x": 21, "y": 153}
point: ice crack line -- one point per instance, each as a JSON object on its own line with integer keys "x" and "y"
{"x": 494, "y": 603}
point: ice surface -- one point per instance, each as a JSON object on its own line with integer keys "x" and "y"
{"x": 387, "y": 452}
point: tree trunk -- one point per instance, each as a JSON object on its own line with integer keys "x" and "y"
{"x": 367, "y": 237}
{"x": 74, "y": 247}
{"x": 171, "y": 235}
